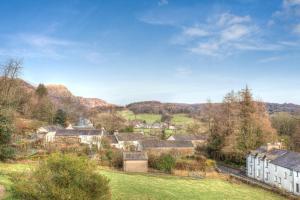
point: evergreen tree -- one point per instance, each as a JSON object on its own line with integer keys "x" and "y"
{"x": 41, "y": 91}
{"x": 60, "y": 117}
{"x": 6, "y": 129}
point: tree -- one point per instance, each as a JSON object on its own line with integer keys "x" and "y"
{"x": 110, "y": 121}
{"x": 6, "y": 128}
{"x": 9, "y": 85}
{"x": 41, "y": 91}
{"x": 62, "y": 177}
{"x": 60, "y": 117}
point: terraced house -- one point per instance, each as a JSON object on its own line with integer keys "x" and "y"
{"x": 276, "y": 167}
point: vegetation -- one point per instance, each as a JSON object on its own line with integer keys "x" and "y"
{"x": 60, "y": 118}
{"x": 148, "y": 118}
{"x": 164, "y": 163}
{"x": 110, "y": 121}
{"x": 238, "y": 125}
{"x": 62, "y": 177}
{"x": 161, "y": 187}
{"x": 6, "y": 151}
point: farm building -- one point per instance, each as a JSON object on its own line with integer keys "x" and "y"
{"x": 195, "y": 139}
{"x": 157, "y": 147}
{"x": 276, "y": 167}
{"x": 135, "y": 161}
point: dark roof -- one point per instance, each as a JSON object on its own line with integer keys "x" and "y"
{"x": 135, "y": 156}
{"x": 129, "y": 136}
{"x": 290, "y": 160}
{"x": 190, "y": 137}
{"x": 73, "y": 132}
{"x": 166, "y": 144}
{"x": 275, "y": 153}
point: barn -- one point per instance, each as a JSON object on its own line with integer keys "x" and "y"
{"x": 135, "y": 161}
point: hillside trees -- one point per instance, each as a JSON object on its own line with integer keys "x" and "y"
{"x": 110, "y": 121}
{"x": 238, "y": 125}
{"x": 60, "y": 118}
{"x": 6, "y": 129}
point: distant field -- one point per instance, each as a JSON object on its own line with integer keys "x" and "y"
{"x": 149, "y": 118}
{"x": 181, "y": 119}
{"x": 163, "y": 187}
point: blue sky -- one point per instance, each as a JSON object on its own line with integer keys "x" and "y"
{"x": 168, "y": 50}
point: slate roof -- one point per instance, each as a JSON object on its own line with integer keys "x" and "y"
{"x": 129, "y": 136}
{"x": 73, "y": 132}
{"x": 275, "y": 153}
{"x": 190, "y": 137}
{"x": 166, "y": 144}
{"x": 290, "y": 160}
{"x": 137, "y": 155}
{"x": 52, "y": 128}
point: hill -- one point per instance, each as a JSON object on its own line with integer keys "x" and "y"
{"x": 156, "y": 107}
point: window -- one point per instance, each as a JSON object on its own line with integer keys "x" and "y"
{"x": 251, "y": 159}
{"x": 275, "y": 178}
{"x": 267, "y": 164}
{"x": 297, "y": 174}
{"x": 258, "y": 173}
{"x": 250, "y": 169}
{"x": 285, "y": 175}
{"x": 291, "y": 173}
{"x": 267, "y": 176}
{"x": 297, "y": 187}
{"x": 275, "y": 168}
{"x": 279, "y": 180}
{"x": 258, "y": 161}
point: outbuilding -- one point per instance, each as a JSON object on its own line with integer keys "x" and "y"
{"x": 135, "y": 161}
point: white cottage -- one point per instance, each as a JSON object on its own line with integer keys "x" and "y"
{"x": 276, "y": 167}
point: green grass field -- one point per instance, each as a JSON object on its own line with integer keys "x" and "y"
{"x": 163, "y": 187}
{"x": 181, "y": 119}
{"x": 149, "y": 118}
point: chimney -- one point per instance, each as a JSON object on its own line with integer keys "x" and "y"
{"x": 276, "y": 145}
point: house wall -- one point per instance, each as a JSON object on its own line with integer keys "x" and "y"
{"x": 50, "y": 137}
{"x": 272, "y": 174}
{"x": 125, "y": 144}
{"x": 135, "y": 165}
{"x": 296, "y": 176}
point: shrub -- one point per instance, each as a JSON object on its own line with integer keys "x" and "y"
{"x": 164, "y": 163}
{"x": 62, "y": 177}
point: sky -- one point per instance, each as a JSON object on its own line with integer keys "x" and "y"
{"x": 187, "y": 51}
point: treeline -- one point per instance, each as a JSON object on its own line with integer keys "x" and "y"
{"x": 237, "y": 126}
{"x": 156, "y": 107}
{"x": 22, "y": 109}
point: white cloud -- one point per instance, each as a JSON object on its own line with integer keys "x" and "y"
{"x": 229, "y": 19}
{"x": 207, "y": 48}
{"x": 288, "y": 3}
{"x": 44, "y": 41}
{"x": 183, "y": 72}
{"x": 163, "y": 2}
{"x": 195, "y": 32}
{"x": 270, "y": 59}
{"x": 235, "y": 32}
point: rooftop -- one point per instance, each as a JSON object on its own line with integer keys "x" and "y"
{"x": 135, "y": 155}
{"x": 129, "y": 136}
{"x": 190, "y": 137}
{"x": 152, "y": 143}
{"x": 289, "y": 160}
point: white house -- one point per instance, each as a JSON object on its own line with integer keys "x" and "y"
{"x": 128, "y": 140}
{"x": 276, "y": 167}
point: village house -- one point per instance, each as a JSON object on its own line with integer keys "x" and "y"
{"x": 48, "y": 132}
{"x": 72, "y": 136}
{"x": 157, "y": 147}
{"x": 135, "y": 161}
{"x": 276, "y": 167}
{"x": 128, "y": 141}
{"x": 195, "y": 139}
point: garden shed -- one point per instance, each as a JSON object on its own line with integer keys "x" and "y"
{"x": 136, "y": 161}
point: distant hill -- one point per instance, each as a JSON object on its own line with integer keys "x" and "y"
{"x": 61, "y": 96}
{"x": 156, "y": 107}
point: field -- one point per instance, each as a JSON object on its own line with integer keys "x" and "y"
{"x": 149, "y": 118}
{"x": 164, "y": 187}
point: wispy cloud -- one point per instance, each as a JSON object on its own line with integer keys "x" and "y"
{"x": 183, "y": 72}
{"x": 195, "y": 32}
{"x": 297, "y": 29}
{"x": 270, "y": 59}
{"x": 163, "y": 2}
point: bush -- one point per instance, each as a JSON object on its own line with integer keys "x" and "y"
{"x": 164, "y": 163}
{"x": 62, "y": 177}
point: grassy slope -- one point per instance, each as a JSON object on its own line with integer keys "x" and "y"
{"x": 163, "y": 187}
{"x": 181, "y": 119}
{"x": 149, "y": 118}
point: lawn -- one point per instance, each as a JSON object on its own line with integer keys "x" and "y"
{"x": 181, "y": 119}
{"x": 164, "y": 187}
{"x": 149, "y": 118}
